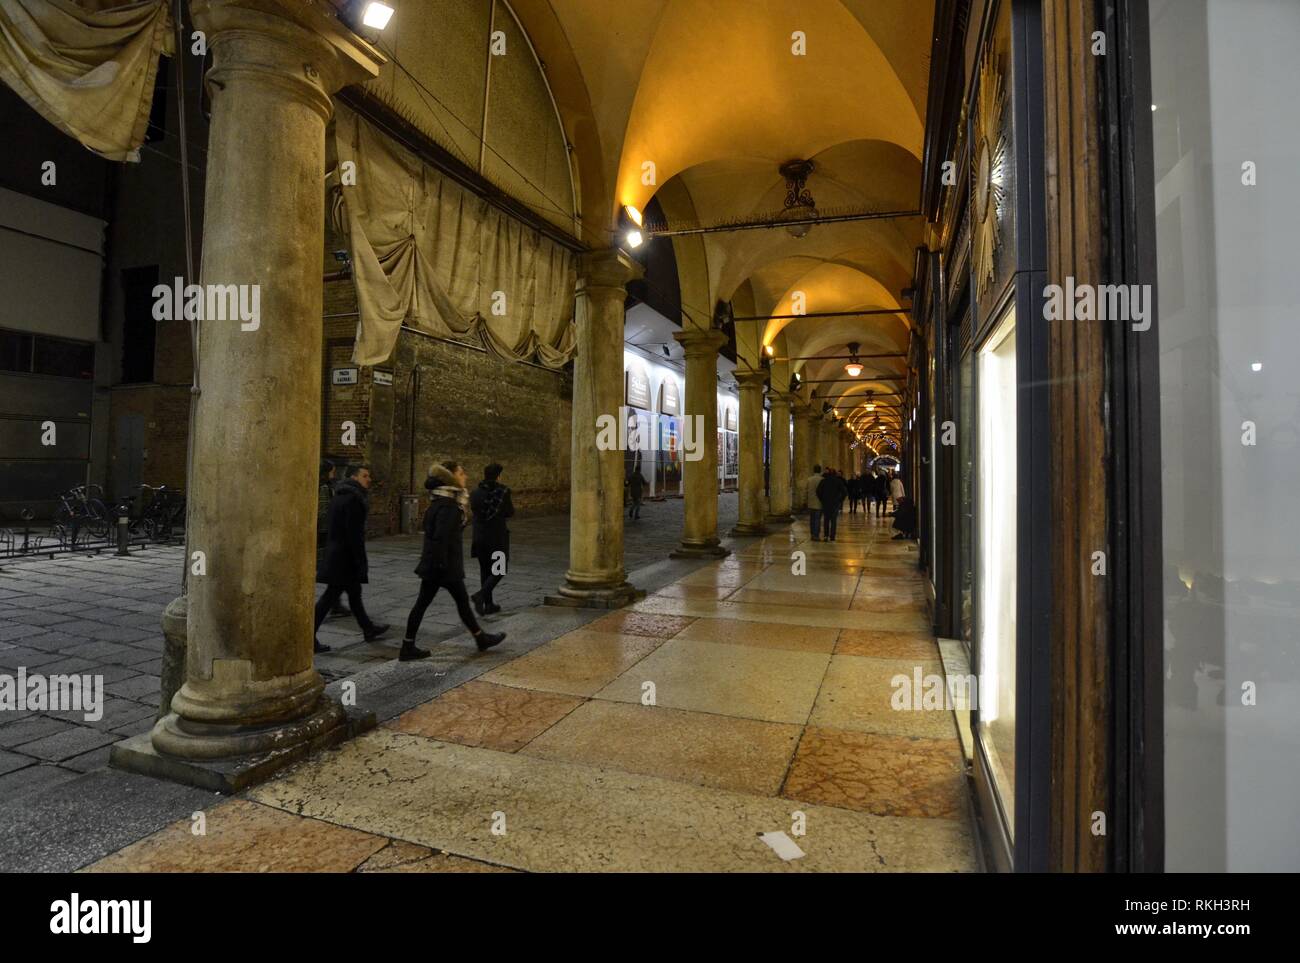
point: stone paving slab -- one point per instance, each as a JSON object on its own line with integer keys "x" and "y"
{"x": 100, "y": 614}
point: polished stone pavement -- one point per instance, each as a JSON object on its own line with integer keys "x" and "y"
{"x": 60, "y": 807}
{"x": 748, "y": 696}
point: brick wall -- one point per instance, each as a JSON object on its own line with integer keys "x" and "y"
{"x": 446, "y": 400}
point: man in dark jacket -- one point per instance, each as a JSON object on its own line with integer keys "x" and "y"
{"x": 831, "y": 493}
{"x": 344, "y": 566}
{"x": 327, "y": 482}
{"x": 491, "y": 505}
{"x": 636, "y": 491}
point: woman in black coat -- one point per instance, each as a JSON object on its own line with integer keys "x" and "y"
{"x": 491, "y": 505}
{"x": 442, "y": 557}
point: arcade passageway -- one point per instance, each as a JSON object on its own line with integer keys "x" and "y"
{"x": 771, "y": 699}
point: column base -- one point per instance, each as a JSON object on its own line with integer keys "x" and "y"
{"x": 779, "y": 519}
{"x": 709, "y": 549}
{"x": 595, "y": 596}
{"x": 747, "y": 528}
{"x": 228, "y": 759}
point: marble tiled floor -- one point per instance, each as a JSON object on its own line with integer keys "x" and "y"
{"x": 751, "y": 696}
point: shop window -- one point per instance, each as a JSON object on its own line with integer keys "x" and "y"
{"x": 15, "y": 351}
{"x": 996, "y": 607}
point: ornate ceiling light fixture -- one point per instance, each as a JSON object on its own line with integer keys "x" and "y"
{"x": 854, "y": 367}
{"x": 800, "y": 209}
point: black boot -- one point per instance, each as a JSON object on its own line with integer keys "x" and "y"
{"x": 485, "y": 640}
{"x": 410, "y": 651}
{"x": 318, "y": 646}
{"x": 479, "y": 605}
{"x": 375, "y": 631}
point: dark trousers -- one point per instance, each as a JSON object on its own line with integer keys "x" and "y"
{"x": 428, "y": 589}
{"x": 829, "y": 518}
{"x": 330, "y": 598}
{"x": 486, "y": 580}
{"x": 815, "y": 522}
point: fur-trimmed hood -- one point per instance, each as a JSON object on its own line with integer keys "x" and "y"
{"x": 439, "y": 475}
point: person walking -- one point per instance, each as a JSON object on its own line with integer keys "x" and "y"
{"x": 896, "y": 491}
{"x": 344, "y": 566}
{"x": 880, "y": 492}
{"x": 491, "y": 505}
{"x": 326, "y": 482}
{"x": 442, "y": 563}
{"x": 635, "y": 490}
{"x": 831, "y": 493}
{"x": 814, "y": 503}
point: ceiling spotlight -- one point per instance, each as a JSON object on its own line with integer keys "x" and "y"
{"x": 634, "y": 238}
{"x": 377, "y": 15}
{"x": 769, "y": 349}
{"x": 633, "y": 215}
{"x": 800, "y": 208}
{"x": 854, "y": 367}
{"x": 871, "y": 407}
{"x": 1257, "y": 366}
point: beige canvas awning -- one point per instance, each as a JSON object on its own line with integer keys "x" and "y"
{"x": 87, "y": 66}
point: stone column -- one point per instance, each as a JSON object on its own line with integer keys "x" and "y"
{"x": 250, "y": 685}
{"x": 825, "y": 454}
{"x": 700, "y": 529}
{"x": 752, "y": 507}
{"x": 779, "y": 469}
{"x": 596, "y": 577}
{"x": 805, "y": 454}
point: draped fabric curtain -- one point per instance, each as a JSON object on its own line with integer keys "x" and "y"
{"x": 87, "y": 66}
{"x": 428, "y": 253}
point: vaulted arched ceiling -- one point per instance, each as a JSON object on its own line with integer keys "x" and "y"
{"x": 712, "y": 96}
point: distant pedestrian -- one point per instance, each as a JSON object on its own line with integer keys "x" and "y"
{"x": 442, "y": 563}
{"x": 490, "y": 502}
{"x": 905, "y": 519}
{"x": 896, "y": 491}
{"x": 880, "y": 492}
{"x": 636, "y": 491}
{"x": 831, "y": 493}
{"x": 814, "y": 503}
{"x": 344, "y": 566}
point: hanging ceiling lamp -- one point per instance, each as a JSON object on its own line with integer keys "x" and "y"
{"x": 800, "y": 209}
{"x": 854, "y": 367}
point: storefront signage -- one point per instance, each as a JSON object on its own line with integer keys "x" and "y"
{"x": 670, "y": 402}
{"x": 638, "y": 388}
{"x": 383, "y": 377}
{"x": 343, "y": 376}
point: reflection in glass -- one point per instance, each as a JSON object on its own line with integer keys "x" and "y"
{"x": 1226, "y": 136}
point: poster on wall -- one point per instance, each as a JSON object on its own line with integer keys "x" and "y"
{"x": 670, "y": 401}
{"x": 733, "y": 455}
{"x": 729, "y": 418}
{"x": 722, "y": 455}
{"x": 637, "y": 388}
{"x": 638, "y": 444}
{"x": 668, "y": 461}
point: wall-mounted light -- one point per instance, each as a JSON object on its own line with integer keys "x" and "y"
{"x": 634, "y": 238}
{"x": 633, "y": 215}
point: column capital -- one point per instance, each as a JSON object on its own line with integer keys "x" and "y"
{"x": 607, "y": 268}
{"x": 750, "y": 380}
{"x": 302, "y": 47}
{"x": 700, "y": 342}
{"x": 781, "y": 399}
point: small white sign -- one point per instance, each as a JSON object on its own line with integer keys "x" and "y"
{"x": 383, "y": 377}
{"x": 343, "y": 376}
